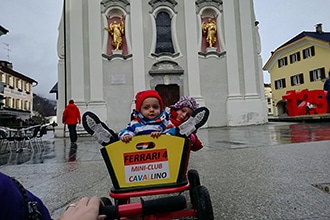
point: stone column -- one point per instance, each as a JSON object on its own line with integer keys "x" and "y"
{"x": 95, "y": 49}
{"x": 193, "y": 70}
{"x": 59, "y": 130}
{"x": 250, "y": 61}
{"x": 232, "y": 46}
{"x": 244, "y": 105}
{"x": 94, "y": 74}
{"x": 75, "y": 52}
{"x": 137, "y": 46}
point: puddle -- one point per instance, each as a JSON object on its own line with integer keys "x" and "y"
{"x": 273, "y": 133}
{"x": 59, "y": 150}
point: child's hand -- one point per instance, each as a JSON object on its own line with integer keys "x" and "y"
{"x": 155, "y": 134}
{"x": 126, "y": 138}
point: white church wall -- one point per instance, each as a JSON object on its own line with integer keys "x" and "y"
{"x": 118, "y": 92}
{"x": 245, "y": 104}
{"x": 107, "y": 85}
{"x": 214, "y": 89}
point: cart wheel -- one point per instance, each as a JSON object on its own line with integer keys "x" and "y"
{"x": 193, "y": 178}
{"x": 106, "y": 201}
{"x": 203, "y": 203}
{"x": 194, "y": 181}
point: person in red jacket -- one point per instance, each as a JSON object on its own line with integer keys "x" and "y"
{"x": 71, "y": 117}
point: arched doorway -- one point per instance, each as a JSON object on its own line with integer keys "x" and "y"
{"x": 282, "y": 108}
{"x": 169, "y": 93}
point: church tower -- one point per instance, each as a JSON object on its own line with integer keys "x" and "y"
{"x": 110, "y": 49}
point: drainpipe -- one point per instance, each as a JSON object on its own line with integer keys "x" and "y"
{"x": 65, "y": 54}
{"x": 65, "y": 60}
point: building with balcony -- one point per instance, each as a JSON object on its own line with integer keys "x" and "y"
{"x": 300, "y": 63}
{"x": 16, "y": 92}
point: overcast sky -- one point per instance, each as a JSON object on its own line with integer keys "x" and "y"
{"x": 32, "y": 39}
{"x": 33, "y": 30}
{"x": 281, "y": 20}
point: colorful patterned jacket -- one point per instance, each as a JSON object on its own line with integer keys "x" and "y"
{"x": 142, "y": 126}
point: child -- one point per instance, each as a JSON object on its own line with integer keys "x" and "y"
{"x": 149, "y": 117}
{"x": 180, "y": 112}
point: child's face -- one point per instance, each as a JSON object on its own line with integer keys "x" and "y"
{"x": 183, "y": 113}
{"x": 150, "y": 108}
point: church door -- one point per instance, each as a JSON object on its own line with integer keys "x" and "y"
{"x": 169, "y": 93}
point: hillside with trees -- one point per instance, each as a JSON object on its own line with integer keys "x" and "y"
{"x": 43, "y": 106}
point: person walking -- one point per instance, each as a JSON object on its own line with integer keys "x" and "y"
{"x": 71, "y": 117}
{"x": 326, "y": 87}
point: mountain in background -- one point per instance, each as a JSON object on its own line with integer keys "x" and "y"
{"x": 45, "y": 107}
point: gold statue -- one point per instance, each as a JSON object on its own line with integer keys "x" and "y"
{"x": 116, "y": 30}
{"x": 210, "y": 29}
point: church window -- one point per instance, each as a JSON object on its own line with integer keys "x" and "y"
{"x": 164, "y": 36}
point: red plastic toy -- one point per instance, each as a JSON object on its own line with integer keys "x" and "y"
{"x": 305, "y": 102}
{"x": 154, "y": 170}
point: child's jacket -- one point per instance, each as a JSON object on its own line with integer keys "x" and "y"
{"x": 141, "y": 126}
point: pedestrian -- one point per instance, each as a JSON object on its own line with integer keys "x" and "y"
{"x": 71, "y": 117}
{"x": 326, "y": 87}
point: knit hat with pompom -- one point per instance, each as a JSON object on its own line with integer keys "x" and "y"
{"x": 141, "y": 96}
{"x": 185, "y": 101}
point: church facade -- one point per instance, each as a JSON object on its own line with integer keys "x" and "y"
{"x": 110, "y": 49}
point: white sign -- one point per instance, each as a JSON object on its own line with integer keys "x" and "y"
{"x": 117, "y": 79}
{"x": 151, "y": 165}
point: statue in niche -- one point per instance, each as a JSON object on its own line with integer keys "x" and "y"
{"x": 117, "y": 31}
{"x": 210, "y": 29}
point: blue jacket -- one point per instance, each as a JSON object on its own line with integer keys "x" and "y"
{"x": 12, "y": 204}
{"x": 141, "y": 126}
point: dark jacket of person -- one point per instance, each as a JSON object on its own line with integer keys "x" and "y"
{"x": 12, "y": 204}
{"x": 326, "y": 86}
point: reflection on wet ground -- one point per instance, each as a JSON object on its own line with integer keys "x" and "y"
{"x": 59, "y": 150}
{"x": 48, "y": 154}
{"x": 10, "y": 156}
{"x": 273, "y": 133}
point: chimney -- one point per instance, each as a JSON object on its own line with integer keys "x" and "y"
{"x": 319, "y": 28}
{"x": 6, "y": 64}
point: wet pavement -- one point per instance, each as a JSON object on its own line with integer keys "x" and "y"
{"x": 273, "y": 171}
